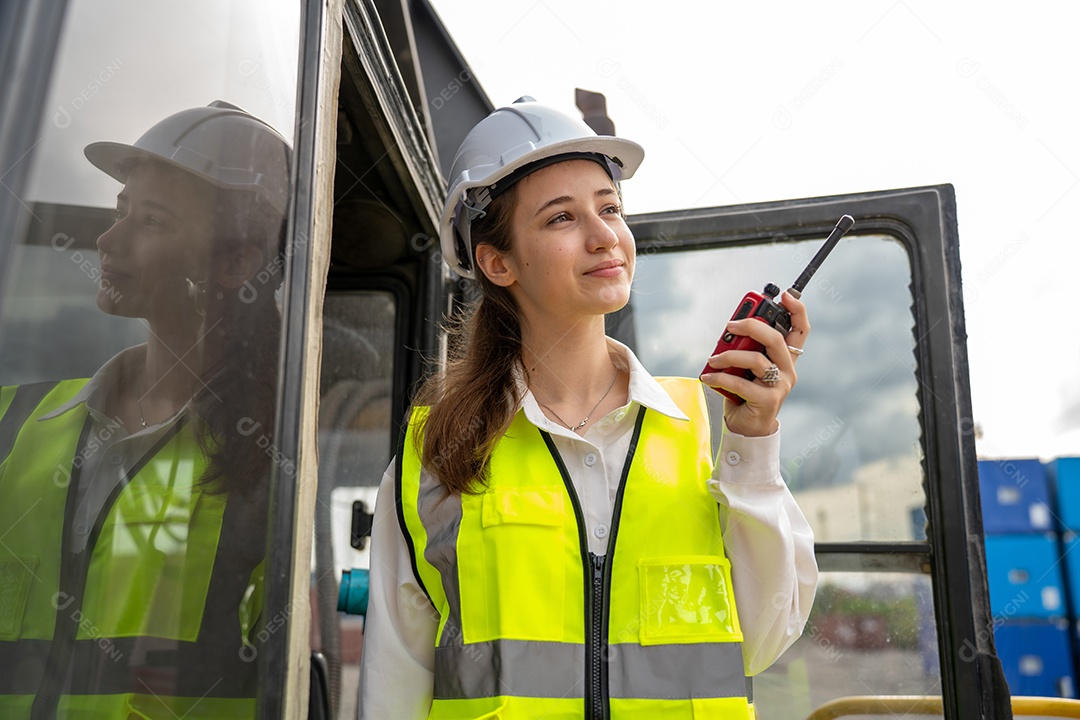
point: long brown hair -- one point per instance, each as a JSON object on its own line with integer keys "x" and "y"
{"x": 238, "y": 401}
{"x": 474, "y": 400}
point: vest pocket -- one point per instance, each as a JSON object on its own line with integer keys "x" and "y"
{"x": 523, "y": 506}
{"x": 511, "y": 563}
{"x": 687, "y": 599}
{"x": 16, "y": 574}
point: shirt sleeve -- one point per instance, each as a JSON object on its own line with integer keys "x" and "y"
{"x": 769, "y": 543}
{"x": 397, "y": 666}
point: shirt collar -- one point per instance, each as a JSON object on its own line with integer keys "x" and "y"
{"x": 644, "y": 389}
{"x": 107, "y": 379}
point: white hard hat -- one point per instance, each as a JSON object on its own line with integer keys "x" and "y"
{"x": 518, "y": 137}
{"x": 219, "y": 143}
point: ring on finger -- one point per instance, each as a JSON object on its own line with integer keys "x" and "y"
{"x": 772, "y": 375}
{"x": 795, "y": 351}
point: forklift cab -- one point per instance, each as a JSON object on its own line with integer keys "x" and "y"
{"x": 373, "y": 98}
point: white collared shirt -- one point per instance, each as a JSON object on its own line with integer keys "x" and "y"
{"x": 767, "y": 538}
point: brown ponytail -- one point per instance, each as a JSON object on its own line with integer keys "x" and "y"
{"x": 473, "y": 402}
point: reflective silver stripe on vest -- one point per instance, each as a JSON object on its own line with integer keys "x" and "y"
{"x": 132, "y": 665}
{"x": 520, "y": 668}
{"x": 655, "y": 672}
{"x": 441, "y": 516}
{"x": 553, "y": 670}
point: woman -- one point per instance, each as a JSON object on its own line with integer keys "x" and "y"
{"x": 552, "y": 539}
{"x": 135, "y": 501}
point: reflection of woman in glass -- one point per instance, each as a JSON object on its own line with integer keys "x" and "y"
{"x": 553, "y": 538}
{"x": 133, "y": 503}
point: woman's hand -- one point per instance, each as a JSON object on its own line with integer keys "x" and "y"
{"x": 757, "y": 416}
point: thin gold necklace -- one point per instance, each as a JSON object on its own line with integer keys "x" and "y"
{"x": 138, "y": 402}
{"x": 581, "y": 424}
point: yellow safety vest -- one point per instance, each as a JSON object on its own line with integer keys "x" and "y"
{"x": 531, "y": 624}
{"x": 146, "y": 621}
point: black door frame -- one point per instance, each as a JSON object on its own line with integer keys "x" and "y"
{"x": 923, "y": 220}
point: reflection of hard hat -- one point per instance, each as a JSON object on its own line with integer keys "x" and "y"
{"x": 504, "y": 147}
{"x": 219, "y": 143}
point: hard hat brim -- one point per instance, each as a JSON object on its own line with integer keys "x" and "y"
{"x": 117, "y": 159}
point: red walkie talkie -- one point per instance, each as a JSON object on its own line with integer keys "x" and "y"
{"x": 764, "y": 307}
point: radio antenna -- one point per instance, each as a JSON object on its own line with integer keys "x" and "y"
{"x": 844, "y": 224}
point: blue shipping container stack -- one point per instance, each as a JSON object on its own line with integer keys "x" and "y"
{"x": 1064, "y": 476}
{"x": 1026, "y": 575}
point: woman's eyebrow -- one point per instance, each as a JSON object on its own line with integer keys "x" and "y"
{"x": 159, "y": 207}
{"x": 123, "y": 197}
{"x": 554, "y": 201}
{"x": 602, "y": 192}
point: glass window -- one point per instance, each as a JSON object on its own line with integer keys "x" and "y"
{"x": 139, "y": 332}
{"x": 868, "y": 634}
{"x": 850, "y": 439}
{"x": 355, "y": 444}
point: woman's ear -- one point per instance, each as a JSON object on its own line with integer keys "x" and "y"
{"x": 494, "y": 265}
{"x": 239, "y": 266}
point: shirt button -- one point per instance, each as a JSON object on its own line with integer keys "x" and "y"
{"x": 733, "y": 458}
{"x": 116, "y": 458}
{"x": 620, "y": 415}
{"x": 80, "y": 529}
{"x": 601, "y": 531}
{"x": 590, "y": 459}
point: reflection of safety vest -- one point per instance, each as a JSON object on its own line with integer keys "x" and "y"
{"x": 533, "y": 625}
{"x": 147, "y": 621}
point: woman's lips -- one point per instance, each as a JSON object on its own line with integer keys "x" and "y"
{"x": 111, "y": 275}
{"x": 606, "y": 270}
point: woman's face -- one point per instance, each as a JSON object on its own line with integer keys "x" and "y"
{"x": 161, "y": 237}
{"x": 572, "y": 252}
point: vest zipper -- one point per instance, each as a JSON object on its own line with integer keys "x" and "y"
{"x": 602, "y": 582}
{"x": 592, "y": 571}
{"x": 598, "y": 585}
{"x": 595, "y": 651}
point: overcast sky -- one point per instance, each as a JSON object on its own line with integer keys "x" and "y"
{"x": 749, "y": 102}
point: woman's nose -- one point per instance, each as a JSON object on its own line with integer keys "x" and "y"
{"x": 111, "y": 242}
{"x": 601, "y": 234}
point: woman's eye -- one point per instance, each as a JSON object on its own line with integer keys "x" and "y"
{"x": 118, "y": 215}
{"x": 559, "y": 218}
{"x": 612, "y": 209}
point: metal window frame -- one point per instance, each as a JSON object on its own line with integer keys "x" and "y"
{"x": 29, "y": 35}
{"x": 923, "y": 219}
{"x": 285, "y": 657}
